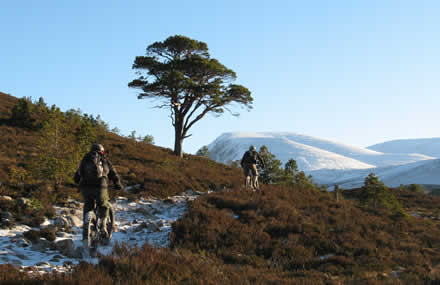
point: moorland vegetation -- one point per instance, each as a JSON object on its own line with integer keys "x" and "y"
{"x": 292, "y": 233}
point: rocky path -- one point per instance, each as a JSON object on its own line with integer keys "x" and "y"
{"x": 147, "y": 220}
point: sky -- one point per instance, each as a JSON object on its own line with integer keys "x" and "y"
{"x": 357, "y": 72}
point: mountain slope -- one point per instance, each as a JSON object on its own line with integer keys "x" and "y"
{"x": 155, "y": 169}
{"x": 422, "y": 172}
{"x": 310, "y": 153}
{"x": 427, "y": 146}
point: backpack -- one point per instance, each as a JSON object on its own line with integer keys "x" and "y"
{"x": 250, "y": 157}
{"x": 92, "y": 169}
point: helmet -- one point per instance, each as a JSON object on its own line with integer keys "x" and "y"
{"x": 253, "y": 148}
{"x": 97, "y": 147}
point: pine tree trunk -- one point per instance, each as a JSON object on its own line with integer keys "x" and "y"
{"x": 178, "y": 139}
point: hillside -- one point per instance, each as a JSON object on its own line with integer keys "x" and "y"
{"x": 155, "y": 169}
{"x": 427, "y": 146}
{"x": 287, "y": 234}
{"x": 311, "y": 153}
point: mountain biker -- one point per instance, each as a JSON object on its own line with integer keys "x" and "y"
{"x": 93, "y": 175}
{"x": 249, "y": 165}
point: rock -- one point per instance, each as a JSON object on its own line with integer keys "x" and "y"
{"x": 75, "y": 212}
{"x": 62, "y": 222}
{"x": 74, "y": 221}
{"x": 160, "y": 223}
{"x": 7, "y": 198}
{"x": 152, "y": 227}
{"x": 22, "y": 202}
{"x": 22, "y": 242}
{"x": 41, "y": 245}
{"x": 68, "y": 263}
{"x": 7, "y": 215}
{"x": 66, "y": 247}
{"x": 133, "y": 188}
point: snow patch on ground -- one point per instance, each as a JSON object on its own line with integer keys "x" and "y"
{"x": 147, "y": 220}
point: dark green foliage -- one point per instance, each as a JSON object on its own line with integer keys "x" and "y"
{"x": 148, "y": 139}
{"x": 273, "y": 172}
{"x": 21, "y": 113}
{"x": 181, "y": 75}
{"x": 290, "y": 169}
{"x": 203, "y": 151}
{"x": 412, "y": 188}
{"x": 376, "y": 194}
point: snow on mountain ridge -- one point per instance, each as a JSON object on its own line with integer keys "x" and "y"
{"x": 421, "y": 172}
{"x": 231, "y": 146}
{"x": 426, "y": 146}
{"x": 311, "y": 153}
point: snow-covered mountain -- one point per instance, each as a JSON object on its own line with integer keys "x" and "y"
{"x": 331, "y": 162}
{"x": 426, "y": 146}
{"x": 422, "y": 172}
{"x": 311, "y": 153}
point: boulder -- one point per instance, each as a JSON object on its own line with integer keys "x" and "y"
{"x": 7, "y": 198}
{"x": 41, "y": 245}
{"x": 66, "y": 247}
{"x": 62, "y": 222}
{"x": 22, "y": 242}
{"x": 133, "y": 188}
{"x": 151, "y": 227}
{"x": 74, "y": 221}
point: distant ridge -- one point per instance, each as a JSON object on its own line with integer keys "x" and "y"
{"x": 426, "y": 146}
{"x": 311, "y": 153}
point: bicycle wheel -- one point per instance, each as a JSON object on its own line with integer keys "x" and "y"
{"x": 90, "y": 228}
{"x": 109, "y": 226}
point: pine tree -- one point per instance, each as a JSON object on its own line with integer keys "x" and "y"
{"x": 376, "y": 194}
{"x": 57, "y": 150}
{"x": 21, "y": 113}
{"x": 203, "y": 151}
{"x": 290, "y": 170}
{"x": 272, "y": 173}
{"x": 149, "y": 139}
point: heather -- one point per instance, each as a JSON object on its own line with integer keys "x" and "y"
{"x": 293, "y": 232}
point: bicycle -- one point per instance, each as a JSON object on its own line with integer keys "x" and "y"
{"x": 93, "y": 228}
{"x": 248, "y": 182}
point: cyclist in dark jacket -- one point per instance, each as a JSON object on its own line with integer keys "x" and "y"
{"x": 95, "y": 189}
{"x": 249, "y": 165}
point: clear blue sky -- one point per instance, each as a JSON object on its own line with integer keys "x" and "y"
{"x": 359, "y": 72}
